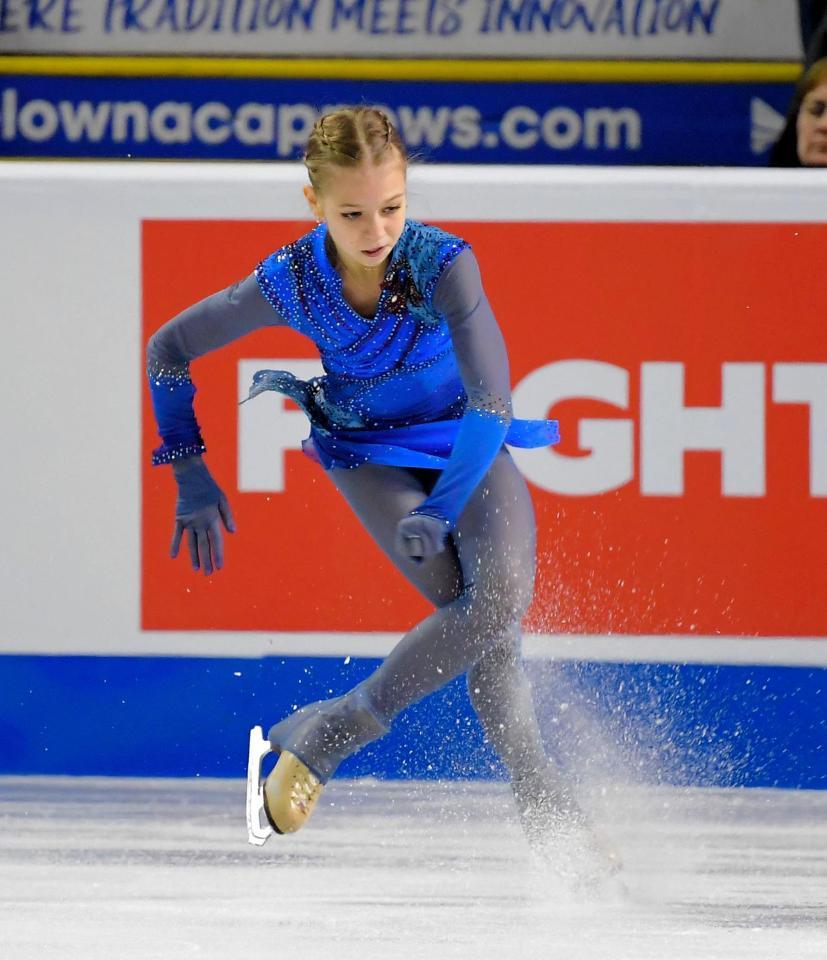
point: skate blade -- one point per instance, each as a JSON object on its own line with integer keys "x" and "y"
{"x": 258, "y": 826}
{"x": 290, "y": 793}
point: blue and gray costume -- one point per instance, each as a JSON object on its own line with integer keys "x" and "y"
{"x": 409, "y": 419}
{"x": 393, "y": 391}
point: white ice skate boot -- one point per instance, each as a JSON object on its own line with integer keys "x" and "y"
{"x": 311, "y": 743}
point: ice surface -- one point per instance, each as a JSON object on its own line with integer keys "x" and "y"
{"x": 123, "y": 869}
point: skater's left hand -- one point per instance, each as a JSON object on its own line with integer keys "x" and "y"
{"x": 419, "y": 536}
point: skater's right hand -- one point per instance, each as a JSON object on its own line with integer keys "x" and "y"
{"x": 420, "y": 536}
{"x": 201, "y": 510}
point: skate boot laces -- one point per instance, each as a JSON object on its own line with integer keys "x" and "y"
{"x": 305, "y": 792}
{"x": 291, "y": 792}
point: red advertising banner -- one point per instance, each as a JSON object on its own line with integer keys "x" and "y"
{"x": 686, "y": 364}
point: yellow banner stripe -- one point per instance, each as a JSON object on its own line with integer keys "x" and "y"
{"x": 480, "y": 71}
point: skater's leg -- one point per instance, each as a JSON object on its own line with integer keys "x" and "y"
{"x": 497, "y": 684}
{"x": 313, "y": 740}
{"x": 486, "y": 574}
{"x": 498, "y": 523}
{"x": 482, "y": 585}
{"x": 498, "y": 687}
{"x": 481, "y": 600}
{"x": 381, "y": 496}
{"x": 502, "y": 698}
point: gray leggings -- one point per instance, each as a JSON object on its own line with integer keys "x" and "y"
{"x": 481, "y": 586}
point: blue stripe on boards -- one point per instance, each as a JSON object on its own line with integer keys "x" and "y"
{"x": 703, "y": 725}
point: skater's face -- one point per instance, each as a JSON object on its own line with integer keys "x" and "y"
{"x": 364, "y": 208}
{"x": 812, "y": 127}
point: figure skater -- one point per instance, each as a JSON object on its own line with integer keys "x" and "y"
{"x": 409, "y": 423}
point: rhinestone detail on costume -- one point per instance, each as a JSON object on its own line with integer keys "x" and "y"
{"x": 363, "y": 356}
{"x": 166, "y": 381}
{"x": 485, "y": 402}
{"x": 167, "y": 375}
{"x": 168, "y": 454}
{"x": 302, "y": 285}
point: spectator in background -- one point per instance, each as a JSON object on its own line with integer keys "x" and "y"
{"x": 807, "y": 124}
{"x": 813, "y": 16}
{"x": 811, "y": 122}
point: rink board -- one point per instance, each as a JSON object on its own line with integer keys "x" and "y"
{"x": 113, "y": 658}
{"x": 698, "y": 725}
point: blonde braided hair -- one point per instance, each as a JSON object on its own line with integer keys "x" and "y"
{"x": 348, "y": 137}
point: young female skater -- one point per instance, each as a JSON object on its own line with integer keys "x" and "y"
{"x": 409, "y": 422}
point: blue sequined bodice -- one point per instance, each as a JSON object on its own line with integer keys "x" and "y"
{"x": 395, "y": 367}
{"x": 392, "y": 392}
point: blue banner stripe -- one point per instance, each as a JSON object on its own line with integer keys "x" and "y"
{"x": 260, "y": 119}
{"x": 703, "y": 725}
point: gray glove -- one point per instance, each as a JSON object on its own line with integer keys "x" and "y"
{"x": 201, "y": 509}
{"x": 419, "y": 536}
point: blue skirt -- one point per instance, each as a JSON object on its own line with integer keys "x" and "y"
{"x": 415, "y": 445}
{"x": 427, "y": 444}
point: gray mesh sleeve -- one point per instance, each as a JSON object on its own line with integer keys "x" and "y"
{"x": 211, "y": 323}
{"x": 478, "y": 342}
